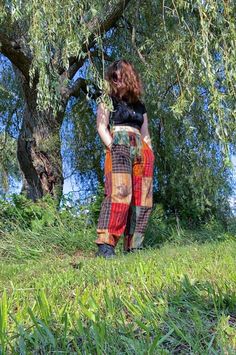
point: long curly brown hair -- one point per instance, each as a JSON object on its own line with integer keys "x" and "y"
{"x": 124, "y": 81}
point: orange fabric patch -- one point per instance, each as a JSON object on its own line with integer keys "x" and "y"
{"x": 121, "y": 188}
{"x": 108, "y": 162}
{"x": 137, "y": 169}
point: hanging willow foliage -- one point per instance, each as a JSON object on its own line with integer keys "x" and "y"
{"x": 10, "y": 117}
{"x": 191, "y": 45}
{"x": 199, "y": 38}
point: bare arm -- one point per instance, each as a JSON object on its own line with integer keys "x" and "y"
{"x": 144, "y": 131}
{"x": 102, "y": 124}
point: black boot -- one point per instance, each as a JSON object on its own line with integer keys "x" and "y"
{"x": 106, "y": 251}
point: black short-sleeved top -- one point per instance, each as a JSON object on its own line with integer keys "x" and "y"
{"x": 127, "y": 114}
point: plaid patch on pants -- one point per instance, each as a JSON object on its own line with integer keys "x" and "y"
{"x": 128, "y": 190}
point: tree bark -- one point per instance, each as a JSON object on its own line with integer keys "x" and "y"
{"x": 38, "y": 149}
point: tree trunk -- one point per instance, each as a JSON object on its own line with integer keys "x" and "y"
{"x": 39, "y": 149}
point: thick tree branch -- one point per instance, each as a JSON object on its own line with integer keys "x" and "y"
{"x": 12, "y": 50}
{"x": 79, "y": 84}
{"x": 106, "y": 57}
{"x": 109, "y": 17}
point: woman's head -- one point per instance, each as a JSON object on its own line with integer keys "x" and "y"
{"x": 124, "y": 80}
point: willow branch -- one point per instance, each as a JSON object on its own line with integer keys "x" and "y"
{"x": 101, "y": 23}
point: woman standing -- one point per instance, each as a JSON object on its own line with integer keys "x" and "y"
{"x": 129, "y": 163}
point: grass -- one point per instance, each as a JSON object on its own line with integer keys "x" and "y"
{"x": 170, "y": 300}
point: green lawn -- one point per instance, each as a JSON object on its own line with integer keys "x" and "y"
{"x": 172, "y": 300}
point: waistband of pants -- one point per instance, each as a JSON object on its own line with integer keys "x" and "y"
{"x": 125, "y": 128}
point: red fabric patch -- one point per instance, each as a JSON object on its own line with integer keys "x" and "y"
{"x": 137, "y": 190}
{"x": 118, "y": 218}
{"x": 108, "y": 184}
{"x": 148, "y": 163}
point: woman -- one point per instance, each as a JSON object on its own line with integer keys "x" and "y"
{"x": 129, "y": 163}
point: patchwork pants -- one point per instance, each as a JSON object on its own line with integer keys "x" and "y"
{"x": 128, "y": 200}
